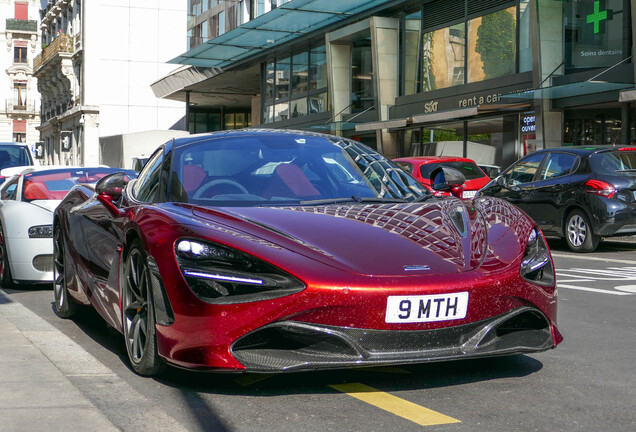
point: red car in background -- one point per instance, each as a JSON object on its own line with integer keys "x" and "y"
{"x": 421, "y": 168}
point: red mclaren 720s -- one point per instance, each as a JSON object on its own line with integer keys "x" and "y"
{"x": 273, "y": 251}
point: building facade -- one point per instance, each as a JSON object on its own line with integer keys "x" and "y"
{"x": 94, "y": 73}
{"x": 19, "y": 98}
{"x": 491, "y": 80}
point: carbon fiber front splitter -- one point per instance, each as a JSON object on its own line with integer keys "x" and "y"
{"x": 294, "y": 346}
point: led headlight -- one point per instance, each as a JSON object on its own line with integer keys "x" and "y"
{"x": 219, "y": 274}
{"x": 536, "y": 265}
{"x": 41, "y": 231}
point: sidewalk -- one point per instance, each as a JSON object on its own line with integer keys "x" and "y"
{"x": 49, "y": 383}
{"x": 35, "y": 394}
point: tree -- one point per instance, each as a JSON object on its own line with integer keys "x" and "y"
{"x": 496, "y": 43}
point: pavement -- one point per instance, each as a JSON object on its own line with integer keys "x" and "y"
{"x": 50, "y": 383}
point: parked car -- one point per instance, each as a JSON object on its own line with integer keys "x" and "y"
{"x": 491, "y": 171}
{"x": 421, "y": 168}
{"x": 277, "y": 250}
{"x": 27, "y": 202}
{"x": 14, "y": 155}
{"x": 581, "y": 194}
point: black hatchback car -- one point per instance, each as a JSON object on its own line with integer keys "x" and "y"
{"x": 578, "y": 193}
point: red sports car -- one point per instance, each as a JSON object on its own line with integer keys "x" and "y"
{"x": 265, "y": 251}
{"x": 421, "y": 168}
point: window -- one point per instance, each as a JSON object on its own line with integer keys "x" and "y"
{"x": 8, "y": 192}
{"x": 492, "y": 53}
{"x": 443, "y": 53}
{"x": 295, "y": 86}
{"x": 300, "y": 69}
{"x": 318, "y": 68}
{"x": 19, "y": 95}
{"x": 524, "y": 171}
{"x": 556, "y": 165}
{"x": 20, "y": 54}
{"x": 148, "y": 184}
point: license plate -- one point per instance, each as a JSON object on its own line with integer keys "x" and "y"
{"x": 426, "y": 308}
{"x": 469, "y": 194}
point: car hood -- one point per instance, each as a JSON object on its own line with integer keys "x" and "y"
{"x": 446, "y": 236}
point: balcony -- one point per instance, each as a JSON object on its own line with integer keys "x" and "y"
{"x": 22, "y": 26}
{"x": 13, "y": 106}
{"x": 62, "y": 44}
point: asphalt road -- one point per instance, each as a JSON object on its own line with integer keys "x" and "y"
{"x": 586, "y": 384}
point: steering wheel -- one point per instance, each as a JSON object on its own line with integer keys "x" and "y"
{"x": 210, "y": 185}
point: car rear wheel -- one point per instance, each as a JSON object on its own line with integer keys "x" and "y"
{"x": 65, "y": 306}
{"x": 579, "y": 235}
{"x": 5, "y": 270}
{"x": 139, "y": 315}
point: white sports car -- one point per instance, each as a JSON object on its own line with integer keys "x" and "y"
{"x": 27, "y": 202}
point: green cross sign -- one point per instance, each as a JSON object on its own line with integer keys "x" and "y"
{"x": 597, "y": 17}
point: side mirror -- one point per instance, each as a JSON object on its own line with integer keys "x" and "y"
{"x": 446, "y": 179}
{"x": 500, "y": 181}
{"x": 112, "y": 185}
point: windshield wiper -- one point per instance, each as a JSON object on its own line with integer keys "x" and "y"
{"x": 354, "y": 199}
{"x": 628, "y": 170}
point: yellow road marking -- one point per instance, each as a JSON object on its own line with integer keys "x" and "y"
{"x": 393, "y": 404}
{"x": 248, "y": 379}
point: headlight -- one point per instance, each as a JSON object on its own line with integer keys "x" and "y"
{"x": 536, "y": 266}
{"x": 219, "y": 274}
{"x": 41, "y": 231}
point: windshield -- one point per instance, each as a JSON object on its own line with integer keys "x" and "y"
{"x": 614, "y": 162}
{"x": 470, "y": 170}
{"x": 54, "y": 184}
{"x": 284, "y": 169}
{"x": 14, "y": 155}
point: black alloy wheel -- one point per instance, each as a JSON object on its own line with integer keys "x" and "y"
{"x": 5, "y": 270}
{"x": 578, "y": 232}
{"x": 138, "y": 314}
{"x": 65, "y": 306}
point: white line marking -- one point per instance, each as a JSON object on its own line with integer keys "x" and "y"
{"x": 582, "y": 257}
{"x": 603, "y": 291}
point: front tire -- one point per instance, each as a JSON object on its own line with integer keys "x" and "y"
{"x": 138, "y": 314}
{"x": 65, "y": 306}
{"x": 5, "y": 269}
{"x": 578, "y": 233}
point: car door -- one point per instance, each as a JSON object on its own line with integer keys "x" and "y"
{"x": 544, "y": 199}
{"x": 512, "y": 184}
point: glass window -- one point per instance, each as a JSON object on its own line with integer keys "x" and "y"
{"x": 470, "y": 170}
{"x": 146, "y": 188}
{"x": 525, "y": 40}
{"x": 19, "y": 54}
{"x": 298, "y": 107}
{"x": 362, "y": 96}
{"x": 492, "y": 45}
{"x": 318, "y": 70}
{"x": 524, "y": 171}
{"x": 221, "y": 23}
{"x": 8, "y": 191}
{"x": 556, "y": 165}
{"x": 443, "y": 53}
{"x": 283, "y": 67}
{"x": 615, "y": 162}
{"x": 317, "y": 103}
{"x": 270, "y": 73}
{"x": 594, "y": 33}
{"x": 412, "y": 52}
{"x": 300, "y": 71}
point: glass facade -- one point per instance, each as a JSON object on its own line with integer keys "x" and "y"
{"x": 295, "y": 86}
{"x": 595, "y": 33}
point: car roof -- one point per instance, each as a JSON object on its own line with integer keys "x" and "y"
{"x": 587, "y": 150}
{"x": 432, "y": 159}
{"x": 183, "y": 141}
